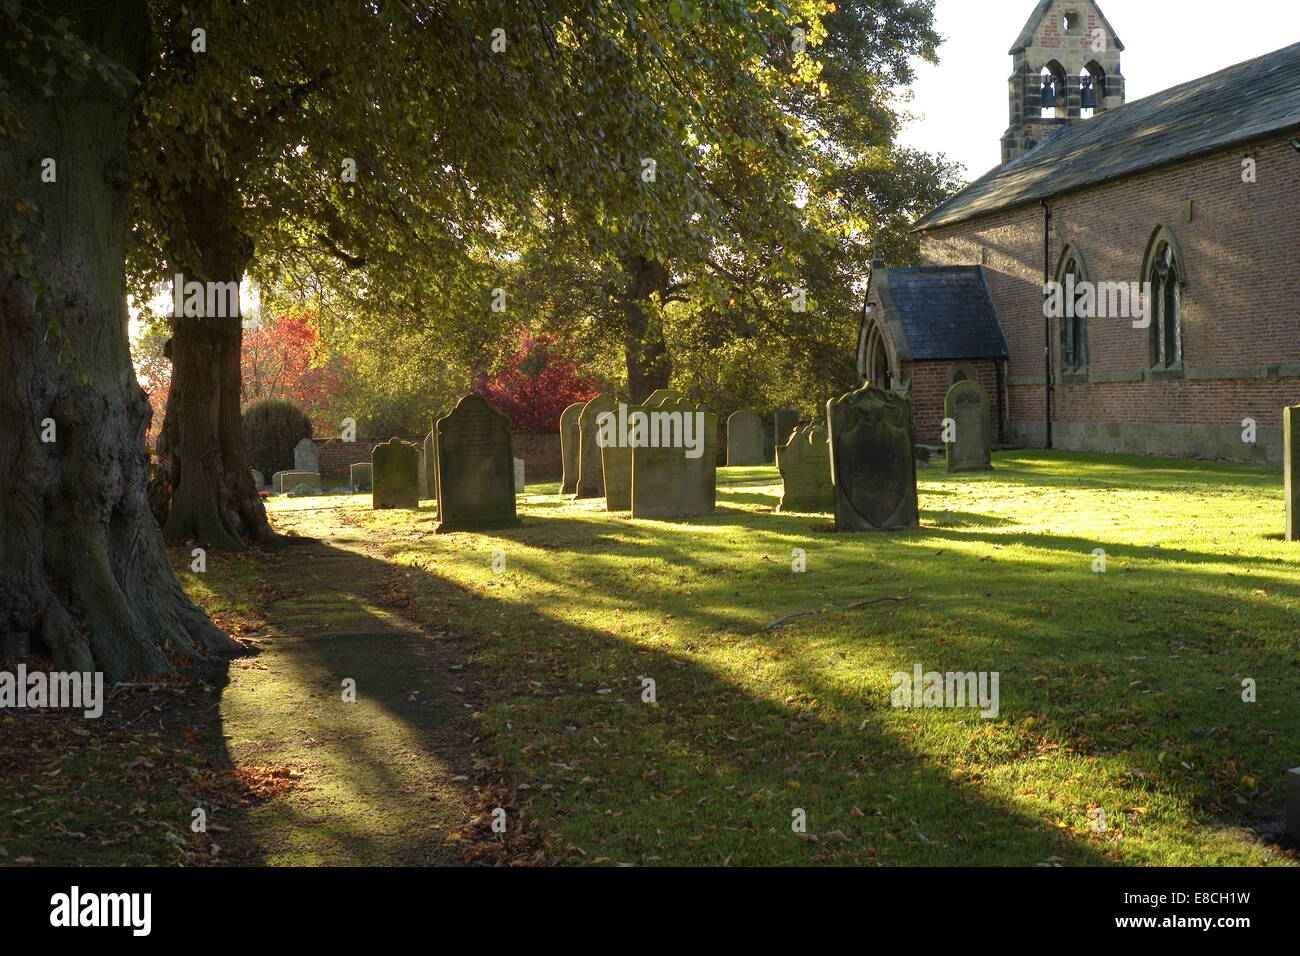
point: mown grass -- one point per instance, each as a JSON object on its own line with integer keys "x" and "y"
{"x": 1121, "y": 692}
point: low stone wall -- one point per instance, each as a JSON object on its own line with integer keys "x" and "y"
{"x": 1163, "y": 439}
{"x": 541, "y": 455}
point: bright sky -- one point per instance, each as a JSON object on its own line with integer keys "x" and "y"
{"x": 963, "y": 101}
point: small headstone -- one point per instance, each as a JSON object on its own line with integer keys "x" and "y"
{"x": 666, "y": 483}
{"x": 1291, "y": 468}
{"x": 616, "y": 465}
{"x": 805, "y": 466}
{"x": 967, "y": 404}
{"x": 306, "y": 456}
{"x": 872, "y": 466}
{"x": 359, "y": 476}
{"x": 1293, "y": 804}
{"x": 784, "y": 421}
{"x": 569, "y": 447}
{"x": 519, "y": 475}
{"x": 745, "y": 439}
{"x": 259, "y": 482}
{"x": 591, "y": 478}
{"x": 289, "y": 480}
{"x": 395, "y": 475}
{"x": 275, "y": 481}
{"x": 475, "y": 468}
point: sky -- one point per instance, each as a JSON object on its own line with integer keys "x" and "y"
{"x": 962, "y": 103}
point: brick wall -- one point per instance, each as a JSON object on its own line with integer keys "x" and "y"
{"x": 1241, "y": 350}
{"x": 929, "y": 387}
{"x": 541, "y": 454}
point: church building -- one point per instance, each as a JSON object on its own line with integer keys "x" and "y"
{"x": 1172, "y": 225}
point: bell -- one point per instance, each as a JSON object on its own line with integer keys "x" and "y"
{"x": 1087, "y": 100}
{"x": 1048, "y": 94}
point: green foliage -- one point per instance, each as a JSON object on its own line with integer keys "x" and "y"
{"x": 272, "y": 427}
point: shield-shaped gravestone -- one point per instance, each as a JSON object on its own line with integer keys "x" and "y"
{"x": 476, "y": 480}
{"x": 805, "y": 466}
{"x": 674, "y": 473}
{"x": 745, "y": 439}
{"x": 591, "y": 478}
{"x": 872, "y": 466}
{"x": 569, "y": 448}
{"x": 784, "y": 421}
{"x": 395, "y": 475}
{"x": 966, "y": 407}
{"x": 306, "y": 456}
{"x": 359, "y": 476}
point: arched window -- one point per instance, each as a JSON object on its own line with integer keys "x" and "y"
{"x": 1053, "y": 92}
{"x": 1163, "y": 273}
{"x": 1092, "y": 90}
{"x": 1071, "y": 274}
{"x": 875, "y": 365}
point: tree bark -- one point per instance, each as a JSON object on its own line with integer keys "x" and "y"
{"x": 649, "y": 366}
{"x": 203, "y": 488}
{"x": 82, "y": 566}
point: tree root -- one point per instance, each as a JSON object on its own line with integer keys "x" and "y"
{"x": 829, "y": 607}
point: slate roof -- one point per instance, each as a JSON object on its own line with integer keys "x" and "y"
{"x": 1251, "y": 100}
{"x": 1031, "y": 27}
{"x": 945, "y": 312}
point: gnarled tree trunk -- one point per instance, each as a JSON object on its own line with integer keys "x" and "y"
{"x": 82, "y": 565}
{"x": 646, "y": 353}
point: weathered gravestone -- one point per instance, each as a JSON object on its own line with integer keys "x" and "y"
{"x": 306, "y": 456}
{"x": 745, "y": 439}
{"x": 675, "y": 474}
{"x": 805, "y": 466}
{"x": 570, "y": 447}
{"x": 259, "y": 482}
{"x": 591, "y": 479}
{"x": 967, "y": 404}
{"x": 359, "y": 476}
{"x": 1291, "y": 469}
{"x": 784, "y": 421}
{"x": 429, "y": 464}
{"x": 476, "y": 487}
{"x": 616, "y": 458}
{"x": 395, "y": 475}
{"x": 284, "y": 481}
{"x": 872, "y": 466}
{"x": 519, "y": 475}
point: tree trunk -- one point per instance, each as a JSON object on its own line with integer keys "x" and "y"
{"x": 649, "y": 366}
{"x": 203, "y": 487}
{"x": 82, "y": 567}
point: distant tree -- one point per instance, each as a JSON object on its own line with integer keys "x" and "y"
{"x": 285, "y": 358}
{"x": 536, "y": 384}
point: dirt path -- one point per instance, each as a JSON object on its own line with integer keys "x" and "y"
{"x": 382, "y": 781}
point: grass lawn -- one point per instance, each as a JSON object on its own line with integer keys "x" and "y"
{"x": 1123, "y": 737}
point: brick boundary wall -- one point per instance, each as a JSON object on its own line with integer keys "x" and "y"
{"x": 541, "y": 454}
{"x": 1241, "y": 350}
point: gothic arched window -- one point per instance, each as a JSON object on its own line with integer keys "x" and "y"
{"x": 1053, "y": 91}
{"x": 1163, "y": 270}
{"x": 1071, "y": 274}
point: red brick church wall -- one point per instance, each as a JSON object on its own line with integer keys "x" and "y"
{"x": 1241, "y": 353}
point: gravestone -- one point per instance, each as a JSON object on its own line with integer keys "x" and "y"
{"x": 287, "y": 480}
{"x": 359, "y": 476}
{"x": 519, "y": 475}
{"x": 476, "y": 484}
{"x": 872, "y": 466}
{"x": 306, "y": 456}
{"x": 395, "y": 475}
{"x": 665, "y": 482}
{"x": 967, "y": 404}
{"x": 1291, "y": 468}
{"x": 616, "y": 466}
{"x": 429, "y": 463}
{"x": 661, "y": 395}
{"x": 591, "y": 478}
{"x": 1293, "y": 803}
{"x": 259, "y": 482}
{"x": 569, "y": 447}
{"x": 805, "y": 466}
{"x": 745, "y": 439}
{"x": 275, "y": 482}
{"x": 784, "y": 421}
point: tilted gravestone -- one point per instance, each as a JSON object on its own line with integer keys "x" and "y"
{"x": 569, "y": 447}
{"x": 784, "y": 421}
{"x": 667, "y": 482}
{"x": 872, "y": 466}
{"x": 745, "y": 439}
{"x": 476, "y": 481}
{"x": 306, "y": 456}
{"x": 805, "y": 466}
{"x": 591, "y": 477}
{"x": 395, "y": 475}
{"x": 284, "y": 481}
{"x": 1291, "y": 468}
{"x": 359, "y": 476}
{"x": 967, "y": 405}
